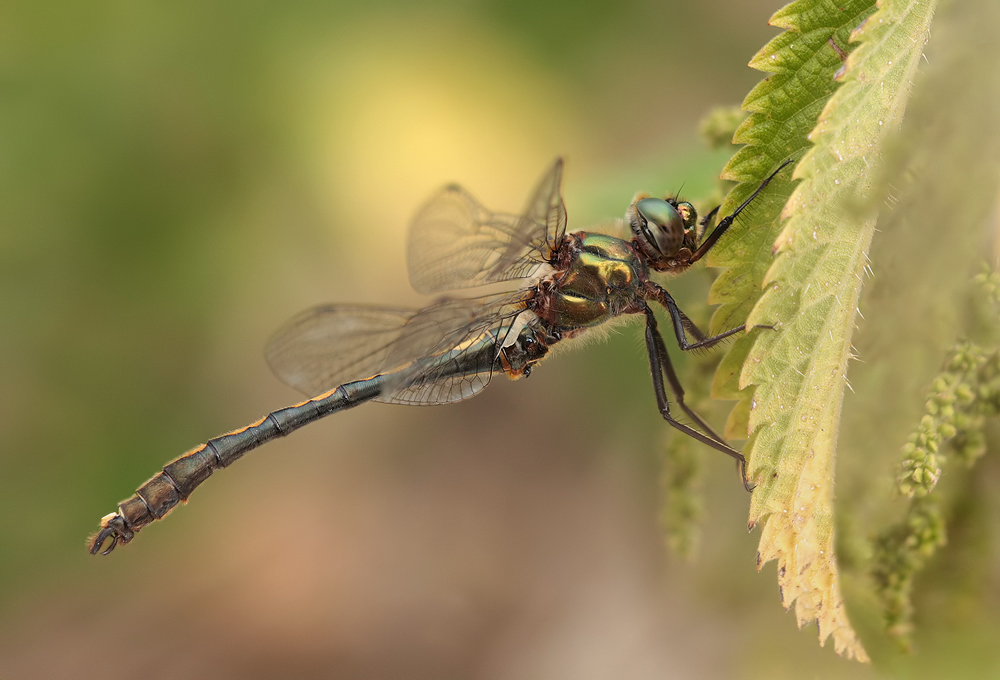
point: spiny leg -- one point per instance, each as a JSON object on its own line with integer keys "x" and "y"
{"x": 705, "y": 221}
{"x": 682, "y": 323}
{"x": 727, "y": 221}
{"x": 691, "y": 328}
{"x": 678, "y": 391}
{"x": 657, "y": 366}
{"x": 677, "y": 388}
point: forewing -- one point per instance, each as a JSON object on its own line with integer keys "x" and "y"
{"x": 326, "y": 346}
{"x": 456, "y": 243}
{"x": 543, "y": 223}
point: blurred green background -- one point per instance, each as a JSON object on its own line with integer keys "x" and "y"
{"x": 177, "y": 179}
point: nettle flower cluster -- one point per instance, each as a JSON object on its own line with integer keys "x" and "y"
{"x": 962, "y": 399}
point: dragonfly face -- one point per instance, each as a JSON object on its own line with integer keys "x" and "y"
{"x": 562, "y": 284}
{"x": 665, "y": 230}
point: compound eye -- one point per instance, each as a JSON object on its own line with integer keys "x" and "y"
{"x": 687, "y": 211}
{"x": 664, "y": 224}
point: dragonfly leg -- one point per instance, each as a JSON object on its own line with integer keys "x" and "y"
{"x": 675, "y": 386}
{"x": 660, "y": 364}
{"x": 727, "y": 221}
{"x": 683, "y": 325}
{"x": 706, "y": 220}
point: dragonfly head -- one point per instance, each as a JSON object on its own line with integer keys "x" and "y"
{"x": 662, "y": 227}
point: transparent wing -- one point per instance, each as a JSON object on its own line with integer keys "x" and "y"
{"x": 457, "y": 364}
{"x": 329, "y": 345}
{"x": 455, "y": 242}
{"x": 439, "y": 354}
{"x": 543, "y": 223}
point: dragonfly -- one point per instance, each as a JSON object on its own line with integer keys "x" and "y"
{"x": 558, "y": 285}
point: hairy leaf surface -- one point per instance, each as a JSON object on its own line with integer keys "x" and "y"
{"x": 808, "y": 290}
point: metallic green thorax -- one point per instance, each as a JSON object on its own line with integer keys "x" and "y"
{"x": 601, "y": 279}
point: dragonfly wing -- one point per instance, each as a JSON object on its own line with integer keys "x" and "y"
{"x": 326, "y": 346}
{"x": 543, "y": 222}
{"x": 427, "y": 351}
{"x": 429, "y": 390}
{"x": 455, "y": 364}
{"x": 456, "y": 243}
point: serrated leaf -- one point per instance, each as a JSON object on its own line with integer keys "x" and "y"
{"x": 785, "y": 107}
{"x": 811, "y": 285}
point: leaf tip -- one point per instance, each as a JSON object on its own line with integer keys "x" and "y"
{"x": 858, "y": 30}
{"x": 787, "y": 17}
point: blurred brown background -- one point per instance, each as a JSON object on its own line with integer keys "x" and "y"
{"x": 177, "y": 179}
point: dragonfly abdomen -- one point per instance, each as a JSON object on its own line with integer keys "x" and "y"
{"x": 180, "y": 477}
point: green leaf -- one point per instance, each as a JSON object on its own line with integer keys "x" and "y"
{"x": 811, "y": 272}
{"x": 783, "y": 110}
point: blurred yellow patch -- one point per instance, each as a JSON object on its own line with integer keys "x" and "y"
{"x": 398, "y": 108}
